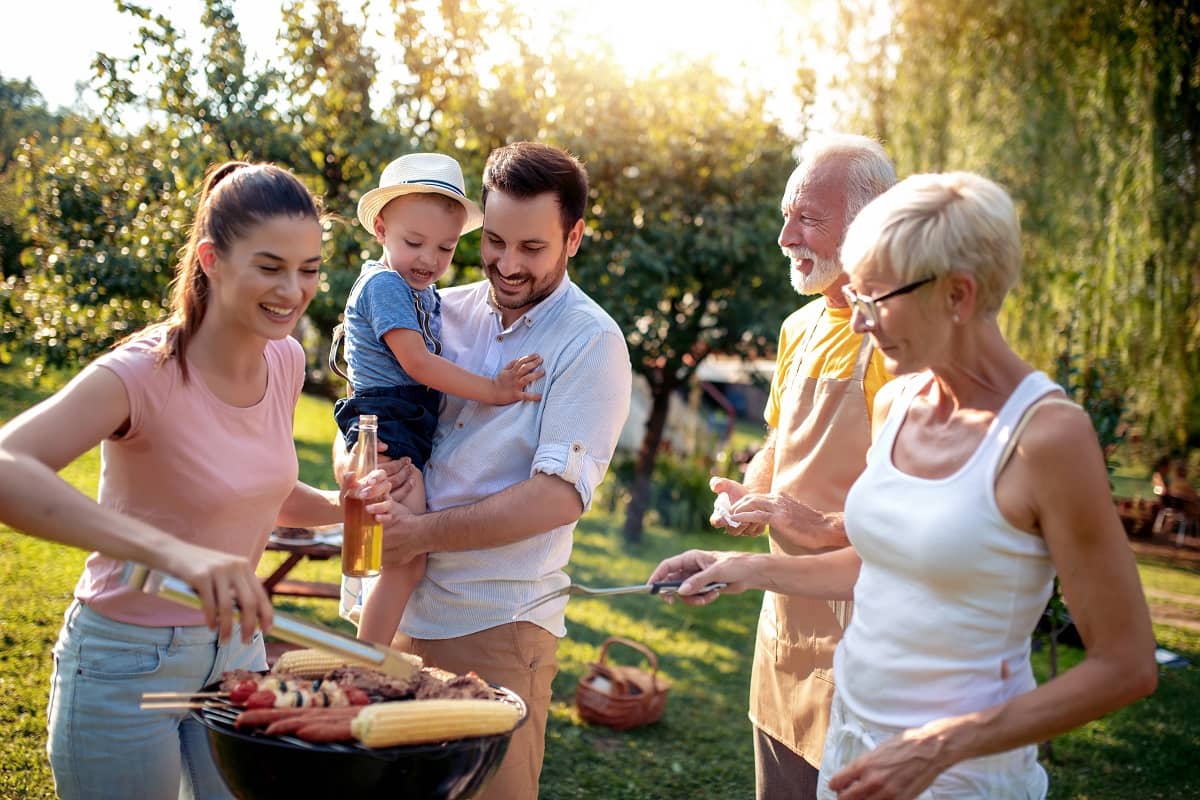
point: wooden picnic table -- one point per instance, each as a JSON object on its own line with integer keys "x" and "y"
{"x": 277, "y": 583}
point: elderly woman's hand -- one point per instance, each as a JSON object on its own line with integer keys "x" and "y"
{"x": 899, "y": 769}
{"x": 699, "y": 568}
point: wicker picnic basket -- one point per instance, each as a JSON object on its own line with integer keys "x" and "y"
{"x": 622, "y": 697}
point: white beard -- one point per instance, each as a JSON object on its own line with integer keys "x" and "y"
{"x": 824, "y": 271}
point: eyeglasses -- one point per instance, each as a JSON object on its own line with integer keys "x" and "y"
{"x": 866, "y": 305}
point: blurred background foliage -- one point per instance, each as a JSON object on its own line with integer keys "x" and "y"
{"x": 1088, "y": 113}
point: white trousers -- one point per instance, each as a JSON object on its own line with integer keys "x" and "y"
{"x": 1012, "y": 775}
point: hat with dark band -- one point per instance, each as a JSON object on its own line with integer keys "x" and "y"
{"x": 419, "y": 173}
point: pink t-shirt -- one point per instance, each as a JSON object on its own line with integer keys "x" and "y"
{"x": 194, "y": 466}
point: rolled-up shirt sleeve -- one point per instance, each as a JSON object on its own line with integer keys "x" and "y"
{"x": 586, "y": 404}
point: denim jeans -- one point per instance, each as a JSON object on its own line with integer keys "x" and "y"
{"x": 101, "y": 744}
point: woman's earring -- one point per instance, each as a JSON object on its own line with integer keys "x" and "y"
{"x": 956, "y": 319}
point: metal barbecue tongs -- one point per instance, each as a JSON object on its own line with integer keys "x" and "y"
{"x": 289, "y": 629}
{"x": 579, "y": 590}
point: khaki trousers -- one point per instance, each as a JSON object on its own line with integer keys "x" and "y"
{"x": 520, "y": 656}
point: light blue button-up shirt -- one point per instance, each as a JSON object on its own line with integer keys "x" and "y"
{"x": 482, "y": 449}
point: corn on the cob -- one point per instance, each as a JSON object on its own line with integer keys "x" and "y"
{"x": 419, "y": 721}
{"x": 310, "y": 663}
{"x": 313, "y": 663}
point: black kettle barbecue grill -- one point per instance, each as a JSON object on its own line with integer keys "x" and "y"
{"x": 261, "y": 767}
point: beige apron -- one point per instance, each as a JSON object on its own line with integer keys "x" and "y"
{"x": 820, "y": 449}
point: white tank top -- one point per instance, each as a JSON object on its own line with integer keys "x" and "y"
{"x": 949, "y": 591}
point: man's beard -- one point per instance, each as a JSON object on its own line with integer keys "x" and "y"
{"x": 533, "y": 291}
{"x": 822, "y": 275}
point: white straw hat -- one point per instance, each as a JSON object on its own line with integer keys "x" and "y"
{"x": 425, "y": 173}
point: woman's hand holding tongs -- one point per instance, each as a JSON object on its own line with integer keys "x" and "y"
{"x": 701, "y": 568}
{"x": 223, "y": 582}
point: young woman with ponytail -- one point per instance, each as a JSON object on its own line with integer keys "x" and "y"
{"x": 193, "y": 416}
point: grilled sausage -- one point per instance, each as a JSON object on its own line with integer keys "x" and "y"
{"x": 333, "y": 731}
{"x": 258, "y": 717}
{"x": 312, "y": 716}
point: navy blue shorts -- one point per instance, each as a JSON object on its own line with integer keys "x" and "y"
{"x": 407, "y": 419}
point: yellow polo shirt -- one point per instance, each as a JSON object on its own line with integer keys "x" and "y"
{"x": 831, "y": 353}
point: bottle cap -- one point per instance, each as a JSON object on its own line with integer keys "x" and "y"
{"x": 368, "y": 421}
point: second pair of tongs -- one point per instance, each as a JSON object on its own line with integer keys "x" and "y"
{"x": 576, "y": 589}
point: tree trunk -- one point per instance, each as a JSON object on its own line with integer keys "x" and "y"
{"x": 643, "y": 470}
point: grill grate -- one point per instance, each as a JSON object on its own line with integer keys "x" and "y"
{"x": 221, "y": 715}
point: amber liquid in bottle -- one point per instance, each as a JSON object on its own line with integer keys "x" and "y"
{"x": 362, "y": 535}
{"x": 362, "y": 541}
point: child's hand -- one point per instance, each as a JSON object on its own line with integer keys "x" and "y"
{"x": 512, "y": 380}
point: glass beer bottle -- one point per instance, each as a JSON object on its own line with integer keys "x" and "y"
{"x": 362, "y": 535}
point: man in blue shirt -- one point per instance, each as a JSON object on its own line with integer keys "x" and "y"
{"x": 507, "y": 484}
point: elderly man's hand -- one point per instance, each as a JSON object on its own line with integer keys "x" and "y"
{"x": 791, "y": 520}
{"x": 735, "y": 492}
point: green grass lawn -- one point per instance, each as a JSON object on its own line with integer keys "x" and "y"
{"x": 702, "y": 747}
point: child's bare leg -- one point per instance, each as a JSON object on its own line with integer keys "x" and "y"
{"x": 384, "y": 606}
{"x": 409, "y": 489}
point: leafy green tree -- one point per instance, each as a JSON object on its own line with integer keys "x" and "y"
{"x": 211, "y": 100}
{"x": 105, "y": 209}
{"x": 169, "y": 112}
{"x": 685, "y": 222}
{"x": 329, "y": 73}
{"x": 437, "y": 96}
{"x": 104, "y": 220}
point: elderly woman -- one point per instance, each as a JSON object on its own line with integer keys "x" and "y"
{"x": 982, "y": 482}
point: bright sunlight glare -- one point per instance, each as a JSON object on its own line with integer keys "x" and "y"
{"x": 751, "y": 35}
{"x": 761, "y": 42}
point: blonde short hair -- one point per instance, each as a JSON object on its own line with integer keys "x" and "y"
{"x": 939, "y": 223}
